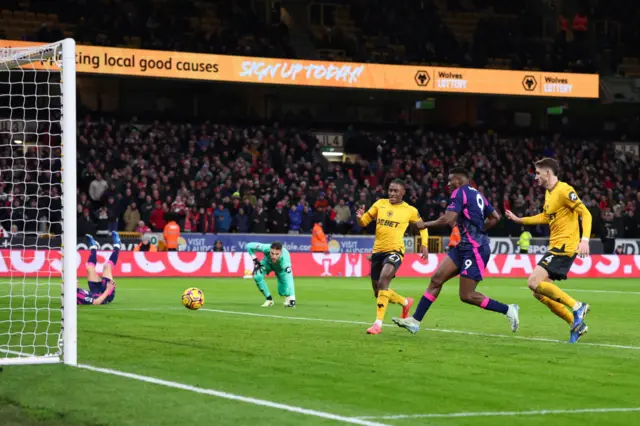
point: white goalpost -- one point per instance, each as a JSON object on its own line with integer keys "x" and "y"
{"x": 38, "y": 312}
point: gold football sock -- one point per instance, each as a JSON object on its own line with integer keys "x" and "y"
{"x": 556, "y": 308}
{"x": 383, "y": 302}
{"x": 553, "y": 292}
{"x": 396, "y": 298}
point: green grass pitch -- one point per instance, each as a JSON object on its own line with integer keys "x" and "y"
{"x": 318, "y": 357}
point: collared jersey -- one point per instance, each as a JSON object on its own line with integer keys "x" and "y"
{"x": 392, "y": 221}
{"x": 472, "y": 208}
{"x": 559, "y": 208}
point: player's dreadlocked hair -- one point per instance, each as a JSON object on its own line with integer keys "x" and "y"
{"x": 460, "y": 171}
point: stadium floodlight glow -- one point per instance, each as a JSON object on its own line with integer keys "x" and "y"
{"x": 38, "y": 312}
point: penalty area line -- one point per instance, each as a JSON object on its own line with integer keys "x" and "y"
{"x": 504, "y": 413}
{"x": 233, "y": 397}
{"x": 438, "y": 330}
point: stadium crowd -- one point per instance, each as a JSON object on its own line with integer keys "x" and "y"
{"x": 464, "y": 33}
{"x": 216, "y": 178}
{"x": 186, "y": 25}
{"x": 479, "y": 33}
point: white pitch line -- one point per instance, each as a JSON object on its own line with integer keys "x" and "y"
{"x": 127, "y": 289}
{"x": 233, "y": 397}
{"x": 503, "y": 413}
{"x": 601, "y": 291}
{"x": 111, "y": 309}
{"x": 253, "y": 314}
{"x": 438, "y": 330}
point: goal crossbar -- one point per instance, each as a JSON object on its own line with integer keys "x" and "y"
{"x": 17, "y": 57}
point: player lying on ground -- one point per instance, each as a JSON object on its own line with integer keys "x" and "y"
{"x": 102, "y": 290}
{"x": 276, "y": 259}
{"x": 392, "y": 216}
{"x": 472, "y": 213}
{"x": 562, "y": 208}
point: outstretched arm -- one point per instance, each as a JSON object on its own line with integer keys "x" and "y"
{"x": 449, "y": 218}
{"x": 365, "y": 218}
{"x": 254, "y": 248}
{"x": 492, "y": 220}
{"x": 424, "y": 233}
{"x": 539, "y": 219}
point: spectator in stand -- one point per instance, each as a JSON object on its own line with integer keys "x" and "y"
{"x": 331, "y": 220}
{"x": 189, "y": 224}
{"x": 142, "y": 228}
{"x": 157, "y": 220}
{"x": 83, "y": 200}
{"x": 610, "y": 231}
{"x": 222, "y": 219}
{"x": 97, "y": 188}
{"x": 31, "y": 218}
{"x": 179, "y": 209}
{"x": 146, "y": 209}
{"x": 604, "y": 202}
{"x": 322, "y": 217}
{"x": 17, "y": 214}
{"x": 343, "y": 217}
{"x": 204, "y": 221}
{"x": 217, "y": 246}
{"x": 278, "y": 220}
{"x": 241, "y": 222}
{"x": 103, "y": 221}
{"x": 235, "y": 204}
{"x": 321, "y": 202}
{"x": 259, "y": 219}
{"x": 113, "y": 211}
{"x": 295, "y": 218}
{"x": 131, "y": 217}
{"x": 85, "y": 224}
{"x": 247, "y": 206}
{"x": 307, "y": 220}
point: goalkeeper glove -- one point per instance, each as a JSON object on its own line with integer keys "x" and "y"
{"x": 257, "y": 266}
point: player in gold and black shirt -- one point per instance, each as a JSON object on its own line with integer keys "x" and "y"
{"x": 392, "y": 217}
{"x": 562, "y": 211}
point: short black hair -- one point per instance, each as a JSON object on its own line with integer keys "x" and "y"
{"x": 549, "y": 163}
{"x": 276, "y": 245}
{"x": 398, "y": 182}
{"x": 460, "y": 171}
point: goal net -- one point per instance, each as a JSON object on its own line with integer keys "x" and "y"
{"x": 37, "y": 204}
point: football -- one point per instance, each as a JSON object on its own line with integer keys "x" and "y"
{"x": 193, "y": 298}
